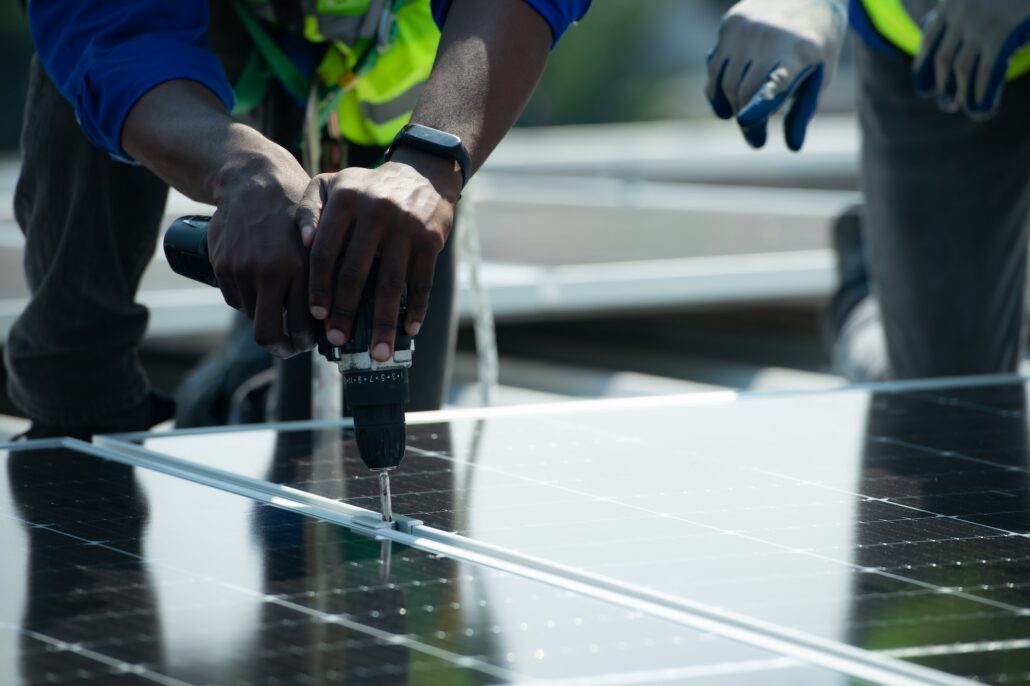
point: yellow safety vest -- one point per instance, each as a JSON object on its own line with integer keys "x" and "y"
{"x": 895, "y": 24}
{"x": 379, "y": 56}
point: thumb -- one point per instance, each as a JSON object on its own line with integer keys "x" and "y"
{"x": 309, "y": 210}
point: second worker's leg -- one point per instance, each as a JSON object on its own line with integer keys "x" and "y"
{"x": 948, "y": 201}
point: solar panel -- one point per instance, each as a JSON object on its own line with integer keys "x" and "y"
{"x": 894, "y": 520}
{"x": 118, "y": 575}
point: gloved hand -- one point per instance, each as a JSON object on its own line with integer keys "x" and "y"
{"x": 771, "y": 51}
{"x": 967, "y": 46}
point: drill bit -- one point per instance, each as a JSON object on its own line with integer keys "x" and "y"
{"x": 384, "y": 495}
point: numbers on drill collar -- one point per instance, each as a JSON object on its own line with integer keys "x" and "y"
{"x": 385, "y": 376}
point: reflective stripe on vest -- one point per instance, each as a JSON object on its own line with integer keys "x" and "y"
{"x": 380, "y": 54}
{"x": 346, "y": 21}
{"x": 379, "y": 104}
{"x": 895, "y": 24}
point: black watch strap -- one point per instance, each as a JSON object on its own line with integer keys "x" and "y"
{"x": 435, "y": 142}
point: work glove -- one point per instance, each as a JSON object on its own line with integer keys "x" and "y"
{"x": 770, "y": 52}
{"x": 966, "y": 50}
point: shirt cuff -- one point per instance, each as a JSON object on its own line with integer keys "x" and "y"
{"x": 115, "y": 82}
{"x": 559, "y": 14}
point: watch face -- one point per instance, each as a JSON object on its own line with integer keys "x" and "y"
{"x": 438, "y": 138}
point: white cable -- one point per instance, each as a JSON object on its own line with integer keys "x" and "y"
{"x": 483, "y": 319}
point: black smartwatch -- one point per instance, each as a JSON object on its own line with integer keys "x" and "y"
{"x": 435, "y": 142}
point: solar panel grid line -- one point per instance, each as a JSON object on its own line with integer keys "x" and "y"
{"x": 965, "y": 404}
{"x": 891, "y": 501}
{"x": 951, "y": 454}
{"x": 458, "y": 660}
{"x": 119, "y": 666}
{"x": 756, "y": 539}
{"x": 673, "y": 674}
{"x": 811, "y": 649}
{"x": 1007, "y": 607}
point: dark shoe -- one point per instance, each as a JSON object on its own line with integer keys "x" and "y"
{"x": 155, "y": 409}
{"x": 852, "y": 328}
{"x": 853, "y": 286}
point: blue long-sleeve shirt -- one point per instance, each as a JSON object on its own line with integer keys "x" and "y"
{"x": 103, "y": 56}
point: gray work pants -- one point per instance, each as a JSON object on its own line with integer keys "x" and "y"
{"x": 946, "y": 227}
{"x": 91, "y": 226}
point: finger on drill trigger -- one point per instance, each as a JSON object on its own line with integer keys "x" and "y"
{"x": 268, "y": 321}
{"x": 421, "y": 269}
{"x": 223, "y": 273}
{"x": 335, "y": 225}
{"x": 390, "y": 285}
{"x": 299, "y": 324}
{"x": 350, "y": 282}
{"x": 923, "y": 73}
{"x": 248, "y": 297}
{"x": 230, "y": 293}
{"x": 309, "y": 210}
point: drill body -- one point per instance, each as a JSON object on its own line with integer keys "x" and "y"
{"x": 375, "y": 393}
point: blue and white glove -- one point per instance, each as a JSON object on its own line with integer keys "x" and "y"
{"x": 967, "y": 47}
{"x": 770, "y": 52}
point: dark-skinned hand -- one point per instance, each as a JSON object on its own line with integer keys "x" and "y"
{"x": 256, "y": 253}
{"x": 402, "y": 213}
{"x": 182, "y": 132}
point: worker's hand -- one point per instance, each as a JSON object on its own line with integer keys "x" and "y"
{"x": 401, "y": 212}
{"x": 772, "y": 51}
{"x": 181, "y": 131}
{"x": 966, "y": 50}
{"x": 255, "y": 249}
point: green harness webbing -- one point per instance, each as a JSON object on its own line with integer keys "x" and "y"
{"x": 269, "y": 60}
{"x": 252, "y": 85}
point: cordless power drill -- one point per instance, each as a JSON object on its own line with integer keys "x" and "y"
{"x": 375, "y": 393}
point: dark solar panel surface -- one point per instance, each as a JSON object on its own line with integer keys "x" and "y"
{"x": 893, "y": 521}
{"x": 119, "y": 576}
